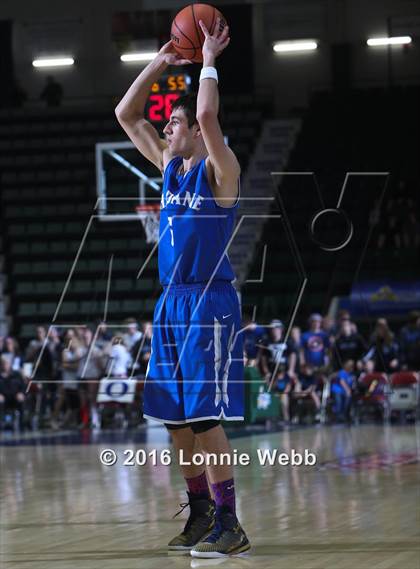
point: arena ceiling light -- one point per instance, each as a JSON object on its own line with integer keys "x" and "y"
{"x": 396, "y": 40}
{"x": 53, "y": 62}
{"x": 295, "y": 45}
{"x": 141, "y": 56}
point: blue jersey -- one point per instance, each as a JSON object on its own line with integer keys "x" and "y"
{"x": 194, "y": 230}
{"x": 315, "y": 345}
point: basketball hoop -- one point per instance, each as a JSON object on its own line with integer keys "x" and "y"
{"x": 149, "y": 217}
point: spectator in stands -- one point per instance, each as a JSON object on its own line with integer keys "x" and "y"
{"x": 119, "y": 358}
{"x": 12, "y": 390}
{"x": 90, "y": 370}
{"x": 133, "y": 333}
{"x": 12, "y": 351}
{"x": 38, "y": 349}
{"x": 104, "y": 337}
{"x": 68, "y": 395}
{"x": 278, "y": 363}
{"x": 342, "y": 385}
{"x": 274, "y": 351}
{"x": 295, "y": 338}
{"x": 330, "y": 327}
{"x": 410, "y": 342}
{"x": 142, "y": 349}
{"x": 306, "y": 385}
{"x": 315, "y": 345}
{"x": 253, "y": 336}
{"x": 348, "y": 345}
{"x": 383, "y": 350}
{"x": 39, "y": 355}
{"x": 52, "y": 93}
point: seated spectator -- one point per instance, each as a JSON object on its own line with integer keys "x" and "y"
{"x": 253, "y": 336}
{"x": 342, "y": 390}
{"x": 410, "y": 342}
{"x": 283, "y": 385}
{"x": 315, "y": 345}
{"x": 349, "y": 345}
{"x": 12, "y": 391}
{"x": 305, "y": 386}
{"x": 383, "y": 350}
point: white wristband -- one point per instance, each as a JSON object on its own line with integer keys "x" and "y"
{"x": 209, "y": 73}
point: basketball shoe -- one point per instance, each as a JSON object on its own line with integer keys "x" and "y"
{"x": 199, "y": 524}
{"x": 227, "y": 537}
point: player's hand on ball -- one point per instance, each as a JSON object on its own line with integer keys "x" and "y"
{"x": 214, "y": 43}
{"x": 168, "y": 53}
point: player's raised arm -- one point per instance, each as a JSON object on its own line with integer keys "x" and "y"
{"x": 225, "y": 165}
{"x": 130, "y": 110}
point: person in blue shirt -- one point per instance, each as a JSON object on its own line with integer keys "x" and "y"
{"x": 195, "y": 372}
{"x": 342, "y": 386}
{"x": 315, "y": 344}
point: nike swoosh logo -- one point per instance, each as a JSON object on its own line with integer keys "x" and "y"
{"x": 227, "y": 315}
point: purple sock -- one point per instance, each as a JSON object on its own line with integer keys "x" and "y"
{"x": 224, "y": 494}
{"x": 198, "y": 485}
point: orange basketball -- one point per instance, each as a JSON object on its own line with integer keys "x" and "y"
{"x": 186, "y": 34}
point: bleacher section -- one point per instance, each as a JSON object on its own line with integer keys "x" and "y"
{"x": 362, "y": 131}
{"x": 47, "y": 187}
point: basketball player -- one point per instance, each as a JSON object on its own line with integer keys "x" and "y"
{"x": 195, "y": 372}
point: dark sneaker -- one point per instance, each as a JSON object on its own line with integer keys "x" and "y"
{"x": 199, "y": 524}
{"x": 227, "y": 538}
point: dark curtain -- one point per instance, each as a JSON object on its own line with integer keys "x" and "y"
{"x": 6, "y": 63}
{"x": 236, "y": 64}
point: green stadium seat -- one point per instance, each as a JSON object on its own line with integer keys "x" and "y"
{"x": 24, "y": 288}
{"x": 122, "y": 285}
{"x": 47, "y": 309}
{"x": 27, "y": 309}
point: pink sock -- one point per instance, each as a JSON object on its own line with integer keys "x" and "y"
{"x": 224, "y": 494}
{"x": 198, "y": 485}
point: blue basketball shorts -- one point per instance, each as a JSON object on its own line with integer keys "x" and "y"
{"x": 195, "y": 370}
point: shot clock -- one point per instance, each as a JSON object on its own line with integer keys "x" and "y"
{"x": 162, "y": 95}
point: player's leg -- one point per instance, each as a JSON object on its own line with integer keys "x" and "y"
{"x": 202, "y": 510}
{"x": 211, "y": 361}
{"x": 227, "y": 537}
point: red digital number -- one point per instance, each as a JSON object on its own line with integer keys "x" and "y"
{"x": 161, "y": 106}
{"x": 156, "y": 107}
{"x": 169, "y": 99}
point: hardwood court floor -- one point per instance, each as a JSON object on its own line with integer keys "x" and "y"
{"x": 358, "y": 508}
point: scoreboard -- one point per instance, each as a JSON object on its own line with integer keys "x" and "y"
{"x": 163, "y": 93}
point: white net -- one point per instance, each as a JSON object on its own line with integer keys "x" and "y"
{"x": 149, "y": 216}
